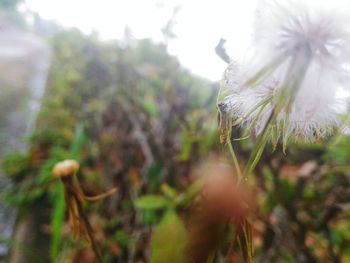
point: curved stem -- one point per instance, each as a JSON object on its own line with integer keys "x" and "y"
{"x": 100, "y": 196}
{"x": 234, "y": 157}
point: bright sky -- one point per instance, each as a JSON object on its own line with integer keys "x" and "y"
{"x": 200, "y": 25}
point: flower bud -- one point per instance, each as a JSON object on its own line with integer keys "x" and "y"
{"x": 65, "y": 168}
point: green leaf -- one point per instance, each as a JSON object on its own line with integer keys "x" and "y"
{"x": 15, "y": 165}
{"x": 169, "y": 240}
{"x": 78, "y": 141}
{"x": 186, "y": 146}
{"x": 122, "y": 238}
{"x": 169, "y": 191}
{"x": 151, "y": 202}
{"x": 150, "y": 217}
{"x": 338, "y": 152}
{"x": 57, "y": 221}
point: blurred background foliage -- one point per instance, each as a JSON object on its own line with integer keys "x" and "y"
{"x": 135, "y": 119}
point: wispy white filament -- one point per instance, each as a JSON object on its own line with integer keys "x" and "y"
{"x": 285, "y": 30}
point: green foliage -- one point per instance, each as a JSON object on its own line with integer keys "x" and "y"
{"x": 57, "y": 220}
{"x": 338, "y": 152}
{"x": 122, "y": 238}
{"x": 47, "y": 136}
{"x": 151, "y": 202}
{"x": 78, "y": 142}
{"x": 170, "y": 199}
{"x": 104, "y": 104}
{"x": 15, "y": 165}
{"x": 169, "y": 240}
{"x": 32, "y": 176}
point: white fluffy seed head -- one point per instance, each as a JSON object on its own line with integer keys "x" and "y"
{"x": 282, "y": 27}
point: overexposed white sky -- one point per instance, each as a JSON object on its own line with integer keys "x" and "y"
{"x": 200, "y": 25}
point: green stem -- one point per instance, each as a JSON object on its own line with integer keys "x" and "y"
{"x": 292, "y": 82}
{"x": 259, "y": 146}
{"x": 262, "y": 107}
{"x": 262, "y": 73}
{"x": 234, "y": 156}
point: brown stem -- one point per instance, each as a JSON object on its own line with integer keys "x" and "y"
{"x": 78, "y": 196}
{"x": 88, "y": 227}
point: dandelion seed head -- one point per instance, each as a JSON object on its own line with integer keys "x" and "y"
{"x": 283, "y": 26}
{"x": 282, "y": 29}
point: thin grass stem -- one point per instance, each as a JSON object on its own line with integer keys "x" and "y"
{"x": 234, "y": 156}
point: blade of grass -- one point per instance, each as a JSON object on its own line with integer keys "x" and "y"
{"x": 57, "y": 221}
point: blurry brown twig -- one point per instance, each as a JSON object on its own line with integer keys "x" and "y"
{"x": 222, "y": 209}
